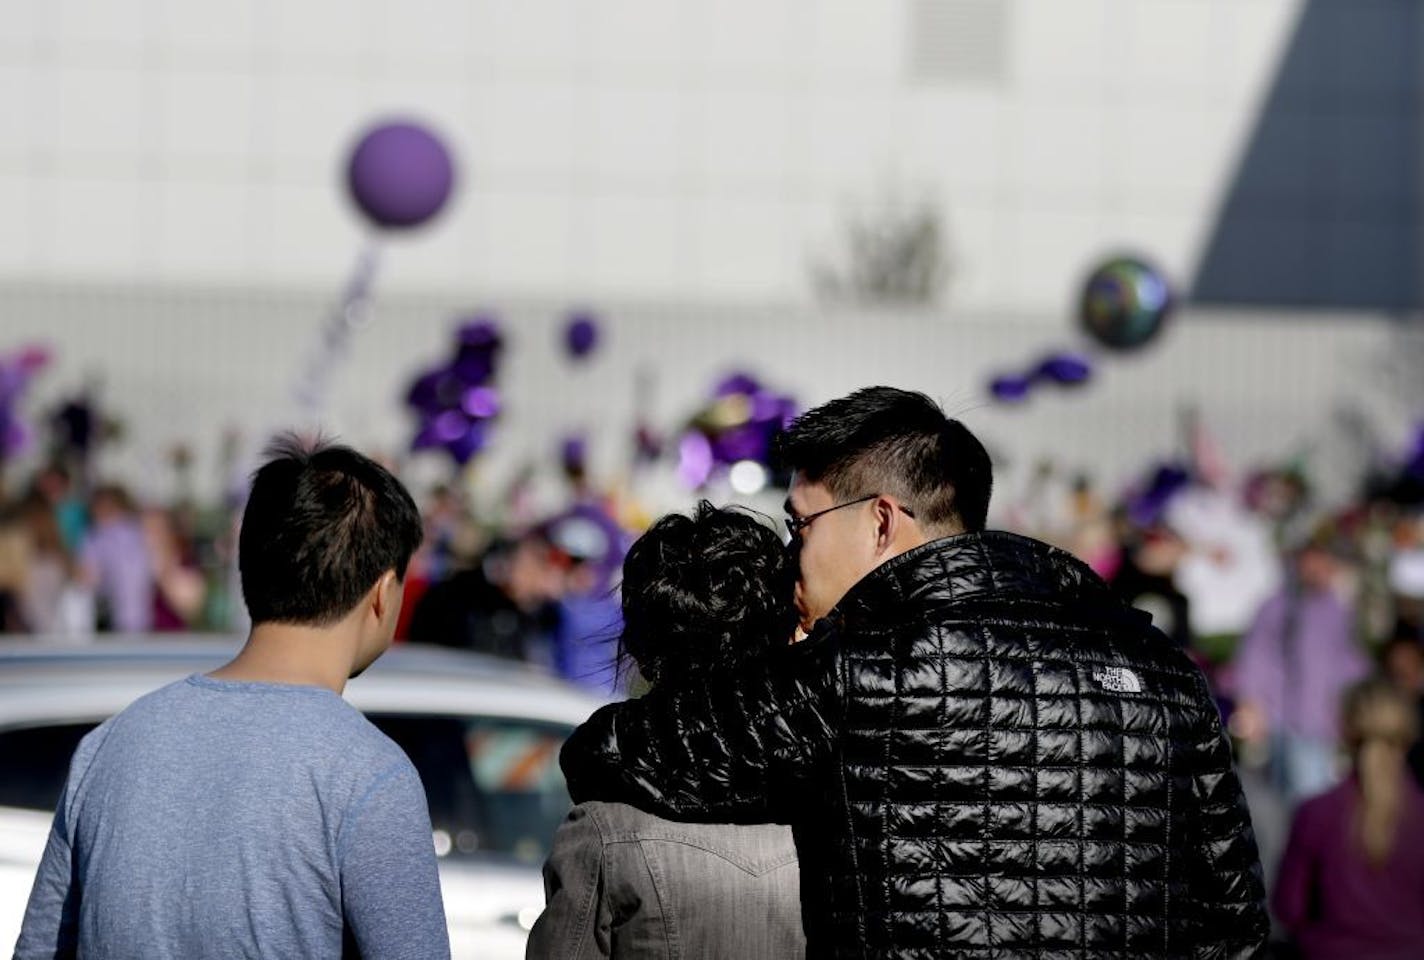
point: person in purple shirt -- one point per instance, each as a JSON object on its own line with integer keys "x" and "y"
{"x": 1352, "y": 881}
{"x": 1295, "y": 662}
{"x": 116, "y": 562}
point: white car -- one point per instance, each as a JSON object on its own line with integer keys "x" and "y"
{"x": 484, "y": 734}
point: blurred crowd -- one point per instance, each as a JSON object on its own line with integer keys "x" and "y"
{"x": 1307, "y": 620}
{"x": 1287, "y": 604}
{"x": 1283, "y": 602}
{"x": 78, "y": 559}
{"x": 82, "y": 560}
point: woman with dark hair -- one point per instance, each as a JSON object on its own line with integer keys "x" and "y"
{"x": 701, "y": 596}
{"x": 1352, "y": 880}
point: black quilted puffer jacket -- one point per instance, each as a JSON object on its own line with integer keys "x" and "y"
{"x": 983, "y": 754}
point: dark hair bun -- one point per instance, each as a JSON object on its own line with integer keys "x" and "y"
{"x": 706, "y": 591}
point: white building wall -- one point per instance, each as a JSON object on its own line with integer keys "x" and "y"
{"x": 671, "y": 150}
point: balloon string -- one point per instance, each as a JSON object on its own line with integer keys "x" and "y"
{"x": 353, "y": 311}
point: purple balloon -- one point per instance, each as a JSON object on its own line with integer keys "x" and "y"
{"x": 457, "y": 434}
{"x": 1067, "y": 369}
{"x": 695, "y": 459}
{"x": 16, "y": 371}
{"x": 434, "y": 391}
{"x": 474, "y": 367}
{"x": 1010, "y": 389}
{"x": 712, "y": 443}
{"x": 463, "y": 448}
{"x": 400, "y": 175}
{"x": 14, "y": 437}
{"x": 457, "y": 404}
{"x": 427, "y": 437}
{"x": 450, "y": 425}
{"x": 479, "y": 332}
{"x": 738, "y": 383}
{"x": 480, "y": 403}
{"x": 477, "y": 347}
{"x": 573, "y": 454}
{"x": 1415, "y": 461}
{"x": 767, "y": 407}
{"x": 581, "y": 335}
{"x": 749, "y": 442}
{"x": 1148, "y": 503}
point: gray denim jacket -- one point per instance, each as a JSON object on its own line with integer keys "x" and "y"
{"x": 621, "y": 883}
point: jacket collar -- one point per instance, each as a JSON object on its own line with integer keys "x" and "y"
{"x": 990, "y": 565}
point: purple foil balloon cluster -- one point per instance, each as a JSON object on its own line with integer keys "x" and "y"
{"x": 1062, "y": 369}
{"x": 457, "y": 403}
{"x": 739, "y": 423}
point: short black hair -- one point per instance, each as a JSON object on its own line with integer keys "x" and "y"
{"x": 881, "y": 440}
{"x": 705, "y": 592}
{"x": 322, "y": 524}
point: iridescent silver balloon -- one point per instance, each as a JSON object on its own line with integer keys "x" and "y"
{"x": 1126, "y": 303}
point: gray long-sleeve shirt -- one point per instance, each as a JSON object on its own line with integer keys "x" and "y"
{"x": 214, "y": 819}
{"x": 627, "y": 885}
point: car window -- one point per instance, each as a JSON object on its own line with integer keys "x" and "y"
{"x": 34, "y": 762}
{"x": 493, "y": 783}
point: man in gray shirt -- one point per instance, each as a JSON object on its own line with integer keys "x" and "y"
{"x": 252, "y": 812}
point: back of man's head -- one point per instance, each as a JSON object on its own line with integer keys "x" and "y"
{"x": 881, "y": 440}
{"x": 323, "y": 524}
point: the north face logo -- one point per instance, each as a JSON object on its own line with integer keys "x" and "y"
{"x": 1117, "y": 679}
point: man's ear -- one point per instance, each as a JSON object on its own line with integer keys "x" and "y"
{"x": 895, "y": 528}
{"x": 384, "y": 594}
{"x": 887, "y": 520}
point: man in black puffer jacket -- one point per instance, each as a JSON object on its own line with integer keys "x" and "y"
{"x": 982, "y": 752}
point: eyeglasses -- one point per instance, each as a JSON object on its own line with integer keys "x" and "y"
{"x": 795, "y": 525}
